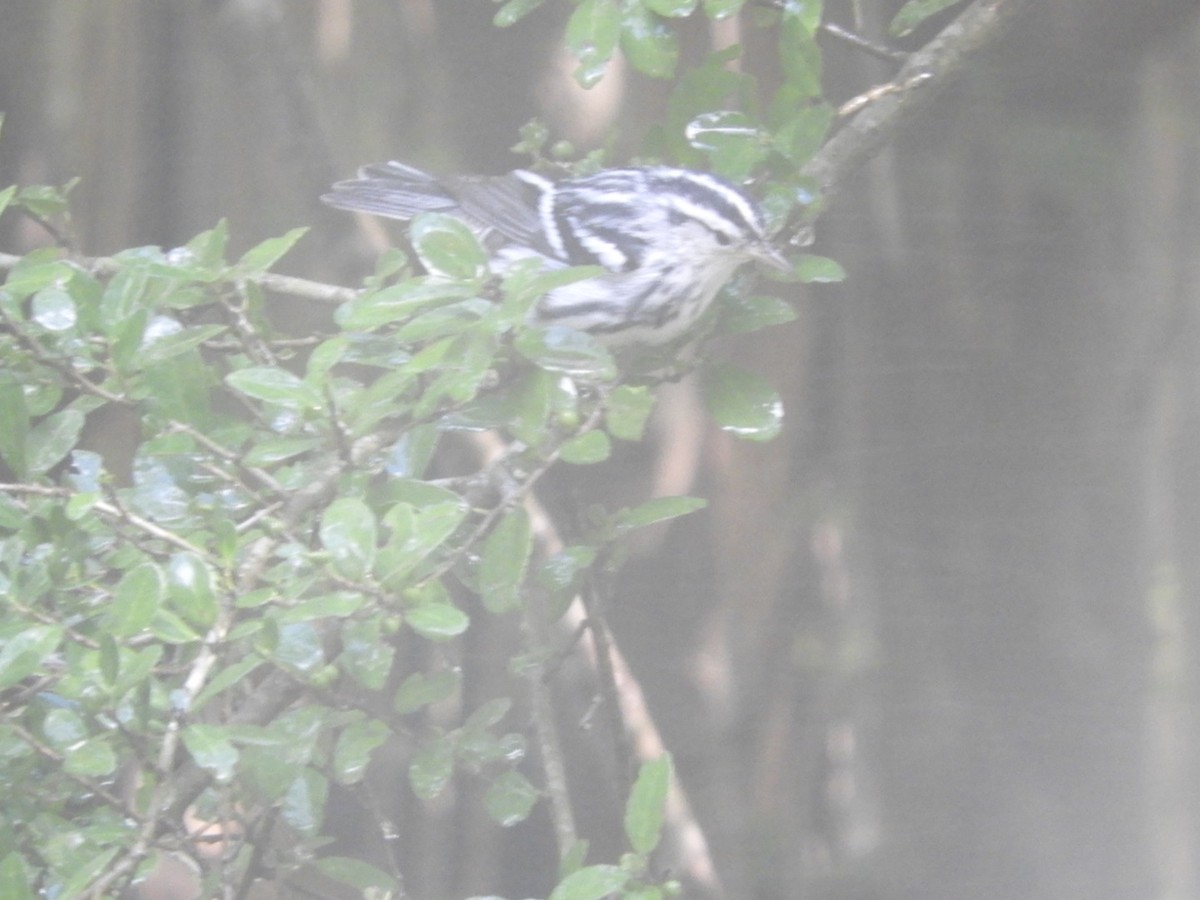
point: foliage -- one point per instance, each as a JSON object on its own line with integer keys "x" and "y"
{"x": 266, "y": 595}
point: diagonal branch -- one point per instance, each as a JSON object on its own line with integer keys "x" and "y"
{"x": 919, "y": 80}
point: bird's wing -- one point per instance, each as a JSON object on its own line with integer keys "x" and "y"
{"x": 500, "y": 209}
{"x": 391, "y": 189}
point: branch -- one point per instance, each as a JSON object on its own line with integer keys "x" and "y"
{"x": 892, "y": 106}
{"x": 333, "y": 294}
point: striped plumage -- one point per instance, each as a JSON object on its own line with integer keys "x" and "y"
{"x": 668, "y": 238}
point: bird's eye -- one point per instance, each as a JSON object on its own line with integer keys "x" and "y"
{"x": 723, "y": 239}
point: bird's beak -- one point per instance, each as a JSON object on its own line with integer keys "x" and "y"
{"x": 766, "y": 253}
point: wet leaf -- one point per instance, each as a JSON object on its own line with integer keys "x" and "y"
{"x": 445, "y": 244}
{"x": 510, "y": 799}
{"x": 742, "y": 403}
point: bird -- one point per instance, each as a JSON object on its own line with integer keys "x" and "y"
{"x": 667, "y": 239}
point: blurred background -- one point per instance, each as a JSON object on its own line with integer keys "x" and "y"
{"x": 940, "y": 639}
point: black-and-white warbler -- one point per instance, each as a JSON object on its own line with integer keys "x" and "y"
{"x": 669, "y": 238}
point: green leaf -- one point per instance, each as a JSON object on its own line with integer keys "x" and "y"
{"x": 226, "y": 677}
{"x": 732, "y": 140}
{"x": 431, "y": 769}
{"x": 586, "y": 449}
{"x": 23, "y": 653}
{"x": 812, "y": 269}
{"x": 803, "y": 133}
{"x": 51, "y": 439}
{"x": 505, "y": 557}
{"x": 299, "y": 646}
{"x": 742, "y": 403}
{"x": 190, "y": 587}
{"x": 262, "y": 257}
{"x": 744, "y": 313}
{"x": 914, "y": 12}
{"x": 627, "y": 410}
{"x": 557, "y": 348}
{"x": 93, "y": 758}
{"x": 437, "y": 621}
{"x": 278, "y": 386}
{"x": 355, "y": 745}
{"x": 591, "y": 37}
{"x": 15, "y": 878}
{"x": 136, "y": 600}
{"x": 514, "y": 11}
{"x": 54, "y": 309}
{"x": 350, "y": 534}
{"x": 722, "y": 9}
{"x": 366, "y": 656}
{"x": 649, "y": 45}
{"x": 445, "y": 244}
{"x": 367, "y": 880}
{"x": 672, "y": 9}
{"x": 398, "y": 302}
{"x": 160, "y": 349}
{"x": 271, "y": 450}
{"x": 6, "y": 197}
{"x": 800, "y": 57}
{"x": 510, "y": 799}
{"x": 303, "y": 805}
{"x": 211, "y": 750}
{"x": 419, "y": 690}
{"x": 44, "y": 200}
{"x": 647, "y": 804}
{"x": 660, "y": 509}
{"x": 591, "y": 883}
{"x": 14, "y": 425}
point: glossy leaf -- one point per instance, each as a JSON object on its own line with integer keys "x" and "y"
{"x": 591, "y": 36}
{"x": 660, "y": 509}
{"x": 800, "y": 57}
{"x": 812, "y": 269}
{"x": 263, "y": 256}
{"x": 744, "y": 313}
{"x": 591, "y": 883}
{"x": 51, "y": 439}
{"x": 431, "y": 769}
{"x": 135, "y": 600}
{"x": 557, "y": 348}
{"x": 646, "y": 806}
{"x": 399, "y": 302}
{"x": 419, "y": 690}
{"x": 23, "y": 653}
{"x": 914, "y": 12}
{"x": 675, "y": 9}
{"x": 586, "y": 449}
{"x": 274, "y": 385}
{"x": 54, "y": 309}
{"x": 446, "y": 245}
{"x": 190, "y": 585}
{"x": 649, "y": 45}
{"x": 437, "y": 621}
{"x": 355, "y": 746}
{"x": 349, "y": 533}
{"x": 627, "y": 410}
{"x": 211, "y": 749}
{"x": 510, "y": 798}
{"x": 14, "y": 424}
{"x": 505, "y": 558}
{"x": 722, "y": 9}
{"x": 514, "y": 11}
{"x": 742, "y": 403}
{"x": 303, "y": 805}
